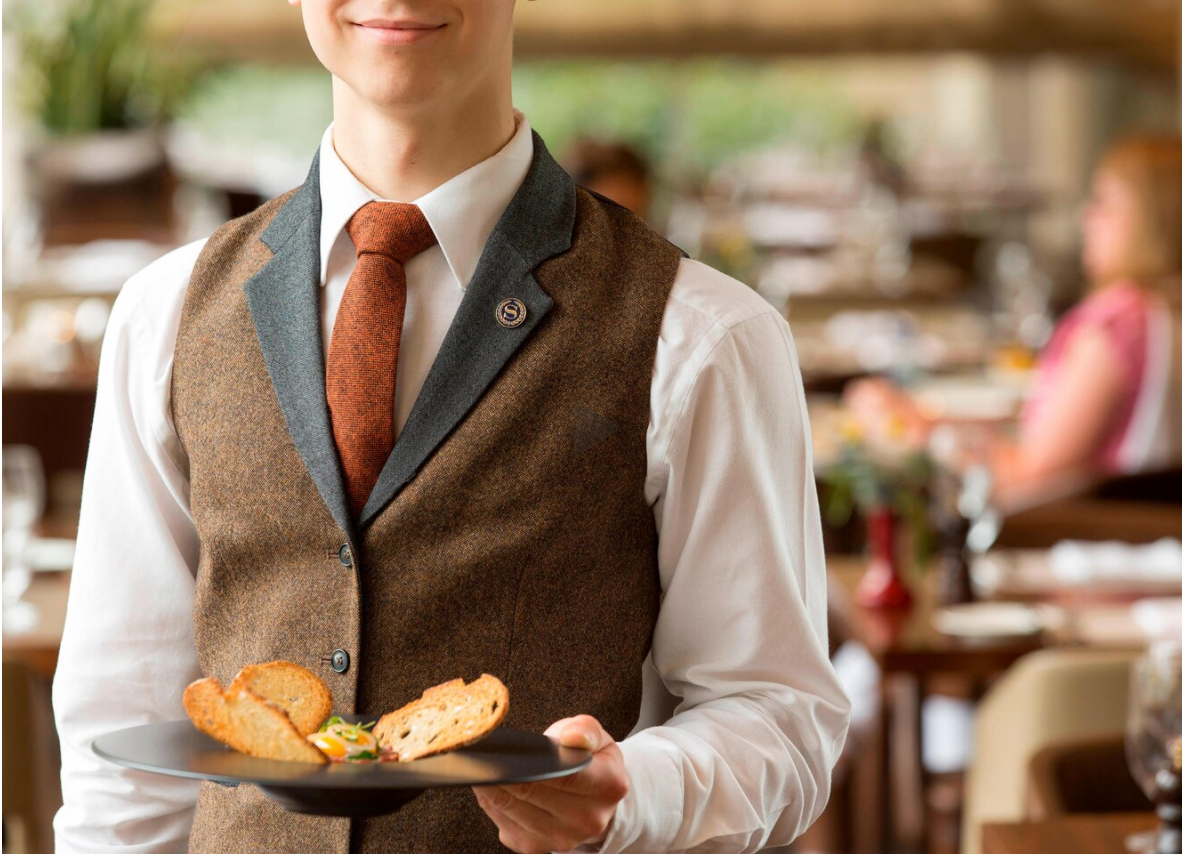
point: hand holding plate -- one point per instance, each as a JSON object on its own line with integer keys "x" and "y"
{"x": 560, "y": 814}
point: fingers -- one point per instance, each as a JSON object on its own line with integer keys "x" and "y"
{"x": 581, "y": 731}
{"x": 556, "y": 727}
{"x": 512, "y": 835}
{"x": 563, "y": 813}
{"x": 606, "y": 777}
{"x": 559, "y": 820}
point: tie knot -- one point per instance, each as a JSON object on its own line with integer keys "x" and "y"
{"x": 397, "y": 229}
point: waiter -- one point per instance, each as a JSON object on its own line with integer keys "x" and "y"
{"x": 503, "y": 427}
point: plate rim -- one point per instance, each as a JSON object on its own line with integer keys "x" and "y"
{"x": 1036, "y": 624}
{"x": 307, "y": 781}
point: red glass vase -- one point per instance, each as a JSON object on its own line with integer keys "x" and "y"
{"x": 882, "y": 586}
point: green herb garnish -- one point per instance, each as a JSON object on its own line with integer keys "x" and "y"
{"x": 335, "y": 719}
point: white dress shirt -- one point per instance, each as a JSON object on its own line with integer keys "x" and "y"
{"x": 741, "y": 637}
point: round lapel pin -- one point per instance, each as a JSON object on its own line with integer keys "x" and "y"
{"x": 511, "y": 313}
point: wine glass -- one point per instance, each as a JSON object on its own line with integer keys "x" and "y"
{"x": 1153, "y": 742}
{"x": 23, "y": 503}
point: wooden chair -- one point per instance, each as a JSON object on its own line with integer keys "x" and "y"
{"x": 1082, "y": 775}
{"x": 1153, "y": 487}
{"x": 1046, "y": 698}
{"x": 1136, "y": 508}
{"x": 32, "y": 766}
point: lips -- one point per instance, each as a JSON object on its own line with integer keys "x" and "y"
{"x": 397, "y": 32}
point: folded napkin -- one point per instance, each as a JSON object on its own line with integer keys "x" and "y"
{"x": 1076, "y": 562}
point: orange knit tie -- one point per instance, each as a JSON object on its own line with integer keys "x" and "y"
{"x": 363, "y": 352}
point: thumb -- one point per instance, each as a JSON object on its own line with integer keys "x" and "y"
{"x": 583, "y": 732}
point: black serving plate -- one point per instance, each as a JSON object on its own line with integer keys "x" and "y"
{"x": 178, "y": 749}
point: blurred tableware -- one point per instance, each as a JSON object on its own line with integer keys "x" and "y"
{"x": 1079, "y": 562}
{"x": 956, "y": 582}
{"x": 1153, "y": 742}
{"x": 1159, "y": 618}
{"x": 952, "y": 529}
{"x": 968, "y": 397}
{"x": 99, "y": 266}
{"x": 98, "y": 157}
{"x": 977, "y": 506}
{"x": 995, "y": 619}
{"x": 1022, "y": 295}
{"x": 50, "y": 554}
{"x": 24, "y": 502}
{"x": 1028, "y": 574}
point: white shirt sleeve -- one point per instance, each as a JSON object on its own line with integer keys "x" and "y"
{"x": 127, "y": 652}
{"x": 741, "y": 636}
{"x": 742, "y": 633}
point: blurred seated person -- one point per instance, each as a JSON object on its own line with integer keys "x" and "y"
{"x": 612, "y": 169}
{"x": 1107, "y": 393}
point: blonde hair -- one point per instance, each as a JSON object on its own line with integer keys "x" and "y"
{"x": 1151, "y": 167}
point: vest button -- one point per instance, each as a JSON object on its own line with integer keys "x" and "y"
{"x": 345, "y": 555}
{"x": 340, "y": 660}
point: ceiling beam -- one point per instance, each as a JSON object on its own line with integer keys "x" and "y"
{"x": 1140, "y": 33}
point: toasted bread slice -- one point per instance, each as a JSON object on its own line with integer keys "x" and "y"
{"x": 247, "y": 722}
{"x": 295, "y": 689}
{"x": 446, "y": 717}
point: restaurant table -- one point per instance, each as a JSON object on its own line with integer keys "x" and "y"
{"x": 1078, "y": 834}
{"x": 914, "y": 657}
{"x": 47, "y": 592}
{"x": 38, "y": 647}
{"x": 911, "y": 655}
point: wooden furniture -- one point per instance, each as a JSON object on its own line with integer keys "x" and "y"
{"x": 1133, "y": 508}
{"x": 1083, "y": 775}
{"x": 38, "y": 648}
{"x": 1049, "y": 697}
{"x": 1090, "y": 519}
{"x": 1085, "y": 834}
{"x": 32, "y": 791}
{"x": 916, "y": 660}
{"x": 48, "y": 593}
{"x": 1140, "y": 34}
{"x": 1029, "y": 575}
{"x": 1159, "y": 487}
{"x": 908, "y": 642}
{"x": 913, "y": 657}
{"x": 56, "y": 421}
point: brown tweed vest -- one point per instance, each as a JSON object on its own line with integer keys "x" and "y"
{"x": 508, "y": 532}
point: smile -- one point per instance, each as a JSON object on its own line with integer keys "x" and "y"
{"x": 393, "y": 32}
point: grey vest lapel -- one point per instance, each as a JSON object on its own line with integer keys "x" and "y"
{"x": 537, "y": 224}
{"x": 284, "y": 302}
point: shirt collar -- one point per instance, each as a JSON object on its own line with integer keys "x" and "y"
{"x": 462, "y": 211}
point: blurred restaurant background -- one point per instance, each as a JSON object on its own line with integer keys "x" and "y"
{"x": 907, "y": 180}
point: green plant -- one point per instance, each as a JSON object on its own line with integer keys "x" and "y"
{"x": 280, "y": 107}
{"x": 870, "y": 481}
{"x": 90, "y": 65}
{"x": 688, "y": 116}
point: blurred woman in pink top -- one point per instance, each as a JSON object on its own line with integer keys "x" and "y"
{"x": 1107, "y": 397}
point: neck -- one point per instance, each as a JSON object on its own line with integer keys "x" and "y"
{"x": 403, "y": 155}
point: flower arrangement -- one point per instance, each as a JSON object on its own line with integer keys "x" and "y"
{"x": 886, "y": 480}
{"x": 871, "y": 476}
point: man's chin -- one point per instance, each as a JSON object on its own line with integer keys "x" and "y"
{"x": 394, "y": 89}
